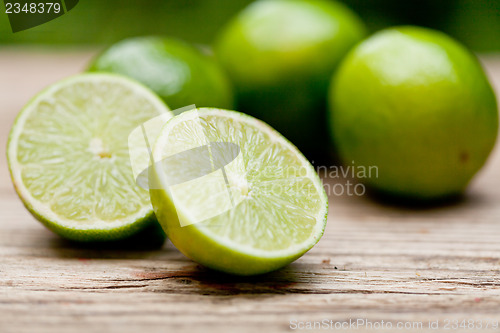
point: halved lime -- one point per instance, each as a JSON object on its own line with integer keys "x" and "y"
{"x": 233, "y": 194}
{"x": 69, "y": 158}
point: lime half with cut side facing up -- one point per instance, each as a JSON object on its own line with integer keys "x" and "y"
{"x": 69, "y": 158}
{"x": 233, "y": 194}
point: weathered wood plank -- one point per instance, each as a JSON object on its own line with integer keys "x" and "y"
{"x": 376, "y": 261}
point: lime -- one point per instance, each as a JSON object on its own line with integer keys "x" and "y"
{"x": 249, "y": 205}
{"x": 69, "y": 159}
{"x": 417, "y": 105}
{"x": 178, "y": 72}
{"x": 280, "y": 55}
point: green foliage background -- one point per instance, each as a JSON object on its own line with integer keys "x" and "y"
{"x": 474, "y": 22}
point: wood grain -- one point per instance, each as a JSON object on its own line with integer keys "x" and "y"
{"x": 376, "y": 261}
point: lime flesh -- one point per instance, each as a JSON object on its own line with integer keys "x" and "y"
{"x": 69, "y": 160}
{"x": 265, "y": 210}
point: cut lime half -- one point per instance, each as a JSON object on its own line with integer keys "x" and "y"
{"x": 261, "y": 205}
{"x": 69, "y": 158}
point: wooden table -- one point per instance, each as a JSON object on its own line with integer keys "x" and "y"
{"x": 405, "y": 266}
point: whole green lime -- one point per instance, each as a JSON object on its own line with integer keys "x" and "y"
{"x": 417, "y": 107}
{"x": 280, "y": 55}
{"x": 178, "y": 72}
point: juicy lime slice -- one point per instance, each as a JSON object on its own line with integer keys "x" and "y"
{"x": 233, "y": 194}
{"x": 69, "y": 158}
